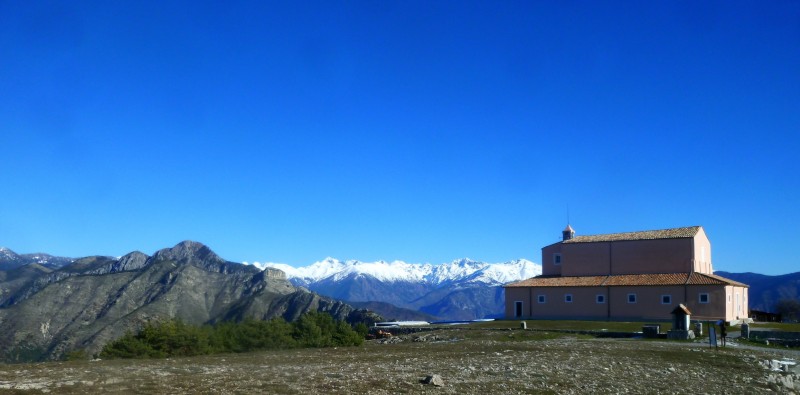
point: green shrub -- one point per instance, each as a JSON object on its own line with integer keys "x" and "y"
{"x": 128, "y": 346}
{"x": 159, "y": 340}
{"x": 175, "y": 338}
{"x": 251, "y": 335}
{"x": 362, "y": 329}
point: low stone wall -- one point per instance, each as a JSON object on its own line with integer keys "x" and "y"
{"x": 791, "y": 339}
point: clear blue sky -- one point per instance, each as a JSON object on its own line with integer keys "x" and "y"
{"x": 421, "y": 131}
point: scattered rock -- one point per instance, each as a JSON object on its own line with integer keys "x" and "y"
{"x": 427, "y": 338}
{"x": 434, "y": 380}
{"x": 391, "y": 340}
{"x": 777, "y": 380}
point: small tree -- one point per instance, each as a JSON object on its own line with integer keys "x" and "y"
{"x": 362, "y": 329}
{"x": 308, "y": 332}
{"x": 346, "y": 336}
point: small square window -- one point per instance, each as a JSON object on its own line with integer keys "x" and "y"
{"x": 556, "y": 259}
{"x": 631, "y": 298}
{"x": 666, "y": 299}
{"x": 703, "y": 298}
{"x": 600, "y": 299}
{"x": 568, "y": 298}
{"x": 541, "y": 299}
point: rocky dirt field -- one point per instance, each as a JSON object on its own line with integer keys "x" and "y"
{"x": 465, "y": 361}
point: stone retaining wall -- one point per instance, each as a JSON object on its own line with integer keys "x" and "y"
{"x": 791, "y": 339}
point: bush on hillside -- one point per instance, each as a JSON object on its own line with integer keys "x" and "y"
{"x": 251, "y": 335}
{"x": 175, "y": 338}
{"x": 159, "y": 340}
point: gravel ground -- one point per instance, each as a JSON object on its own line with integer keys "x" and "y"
{"x": 468, "y": 361}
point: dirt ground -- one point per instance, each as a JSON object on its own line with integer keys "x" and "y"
{"x": 468, "y": 361}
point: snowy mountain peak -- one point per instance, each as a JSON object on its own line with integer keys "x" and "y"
{"x": 503, "y": 273}
{"x": 7, "y": 254}
{"x": 464, "y": 262}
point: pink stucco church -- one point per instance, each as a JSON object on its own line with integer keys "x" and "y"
{"x": 628, "y": 276}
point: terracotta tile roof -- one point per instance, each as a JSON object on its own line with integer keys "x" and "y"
{"x": 558, "y": 281}
{"x": 675, "y": 233}
{"x": 703, "y": 279}
{"x": 647, "y": 279}
{"x": 626, "y": 280}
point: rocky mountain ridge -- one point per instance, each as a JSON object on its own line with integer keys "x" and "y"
{"x": 46, "y": 312}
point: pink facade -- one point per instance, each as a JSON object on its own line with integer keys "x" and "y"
{"x": 633, "y": 276}
{"x": 580, "y": 258}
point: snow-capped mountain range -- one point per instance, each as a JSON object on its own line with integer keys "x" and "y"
{"x": 459, "y": 290}
{"x": 458, "y": 271}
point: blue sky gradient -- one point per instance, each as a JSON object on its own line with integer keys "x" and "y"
{"x": 420, "y": 131}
